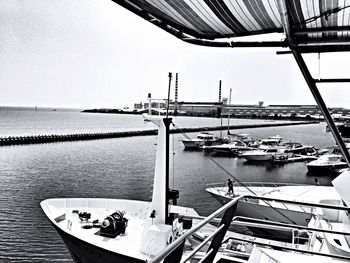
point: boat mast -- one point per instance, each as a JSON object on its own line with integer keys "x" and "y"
{"x": 167, "y": 122}
{"x": 160, "y": 195}
{"x": 229, "y": 113}
{"x": 167, "y": 108}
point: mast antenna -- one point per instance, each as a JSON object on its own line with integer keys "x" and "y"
{"x": 167, "y": 108}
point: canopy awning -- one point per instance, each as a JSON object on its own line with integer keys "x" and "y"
{"x": 309, "y": 25}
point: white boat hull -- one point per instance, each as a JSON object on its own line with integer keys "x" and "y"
{"x": 190, "y": 144}
{"x": 265, "y": 212}
{"x": 278, "y": 212}
{"x": 89, "y": 246}
{"x": 198, "y": 144}
{"x": 84, "y": 252}
{"x": 257, "y": 157}
{"x": 325, "y": 169}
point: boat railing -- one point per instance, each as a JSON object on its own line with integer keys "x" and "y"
{"x": 174, "y": 252}
{"x": 253, "y": 184}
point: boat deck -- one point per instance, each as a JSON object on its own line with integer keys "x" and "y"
{"x": 60, "y": 213}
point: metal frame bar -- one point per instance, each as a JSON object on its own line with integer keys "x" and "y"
{"x": 321, "y": 30}
{"x": 167, "y": 122}
{"x": 267, "y": 225}
{"x": 169, "y": 250}
{"x": 321, "y": 104}
{"x": 283, "y": 10}
{"x": 205, "y": 258}
{"x": 325, "y": 41}
{"x": 343, "y": 80}
{"x": 181, "y": 239}
{"x": 291, "y": 249}
{"x": 205, "y": 241}
{"x": 215, "y": 244}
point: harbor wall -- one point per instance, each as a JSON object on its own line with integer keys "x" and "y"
{"x": 34, "y": 139}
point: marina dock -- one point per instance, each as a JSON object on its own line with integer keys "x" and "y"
{"x": 35, "y": 139}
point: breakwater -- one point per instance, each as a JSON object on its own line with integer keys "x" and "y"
{"x": 34, "y": 139}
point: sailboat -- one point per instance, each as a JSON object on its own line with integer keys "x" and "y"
{"x": 310, "y": 27}
{"x": 117, "y": 230}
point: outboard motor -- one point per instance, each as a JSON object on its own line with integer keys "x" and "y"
{"x": 114, "y": 225}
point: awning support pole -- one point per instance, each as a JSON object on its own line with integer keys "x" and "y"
{"x": 343, "y": 80}
{"x": 314, "y": 90}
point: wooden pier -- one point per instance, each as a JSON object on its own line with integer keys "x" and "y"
{"x": 34, "y": 139}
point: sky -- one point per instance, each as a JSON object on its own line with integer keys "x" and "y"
{"x": 96, "y": 54}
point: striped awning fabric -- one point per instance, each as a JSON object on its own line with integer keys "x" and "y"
{"x": 305, "y": 22}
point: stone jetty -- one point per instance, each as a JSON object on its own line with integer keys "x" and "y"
{"x": 34, "y": 139}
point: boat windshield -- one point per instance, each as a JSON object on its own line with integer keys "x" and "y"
{"x": 269, "y": 142}
{"x": 205, "y": 137}
{"x": 271, "y": 150}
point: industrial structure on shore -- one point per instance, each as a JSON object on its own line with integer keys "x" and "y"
{"x": 222, "y": 107}
{"x": 212, "y": 109}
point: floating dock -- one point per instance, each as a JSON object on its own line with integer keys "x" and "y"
{"x": 34, "y": 139}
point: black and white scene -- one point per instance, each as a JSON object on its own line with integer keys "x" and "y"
{"x": 174, "y": 131}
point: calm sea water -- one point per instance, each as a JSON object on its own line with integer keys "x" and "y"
{"x": 112, "y": 168}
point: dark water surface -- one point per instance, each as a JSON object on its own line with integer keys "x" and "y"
{"x": 112, "y": 168}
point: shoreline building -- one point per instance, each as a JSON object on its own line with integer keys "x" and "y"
{"x": 210, "y": 109}
{"x": 286, "y": 111}
{"x": 216, "y": 109}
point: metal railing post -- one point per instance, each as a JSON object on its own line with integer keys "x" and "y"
{"x": 217, "y": 240}
{"x": 176, "y": 255}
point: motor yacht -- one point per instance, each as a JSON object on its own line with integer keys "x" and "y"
{"x": 203, "y": 139}
{"x": 233, "y": 148}
{"x": 275, "y": 211}
{"x": 246, "y": 138}
{"x": 298, "y": 148}
{"x": 326, "y": 164}
{"x": 266, "y": 154}
{"x": 275, "y": 137}
{"x": 269, "y": 143}
{"x": 326, "y": 240}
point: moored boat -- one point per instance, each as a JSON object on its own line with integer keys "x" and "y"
{"x": 325, "y": 164}
{"x": 203, "y": 139}
{"x": 266, "y": 154}
{"x": 246, "y": 138}
{"x": 233, "y": 148}
{"x": 275, "y": 211}
{"x": 298, "y": 148}
{"x": 269, "y": 143}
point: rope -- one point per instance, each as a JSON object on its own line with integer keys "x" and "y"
{"x": 325, "y": 14}
{"x": 183, "y": 133}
